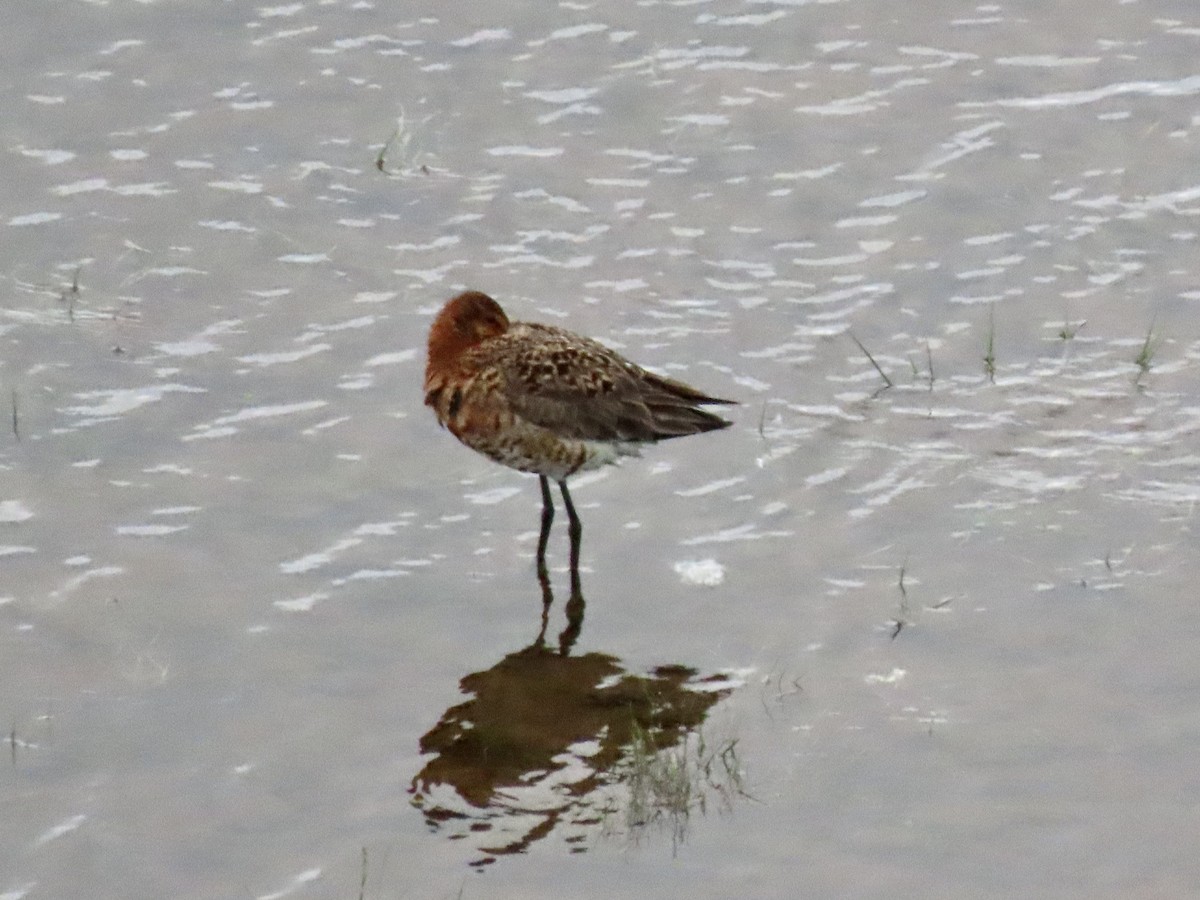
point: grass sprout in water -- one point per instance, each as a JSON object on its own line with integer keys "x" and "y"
{"x": 989, "y": 356}
{"x": 887, "y": 382}
{"x": 1068, "y": 331}
{"x": 1145, "y": 356}
{"x": 667, "y": 784}
{"x": 397, "y": 146}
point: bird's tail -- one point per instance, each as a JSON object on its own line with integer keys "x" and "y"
{"x": 675, "y": 409}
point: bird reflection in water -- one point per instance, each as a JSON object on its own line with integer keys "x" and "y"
{"x": 544, "y": 741}
{"x": 575, "y": 604}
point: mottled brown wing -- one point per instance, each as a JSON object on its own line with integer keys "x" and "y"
{"x": 582, "y": 390}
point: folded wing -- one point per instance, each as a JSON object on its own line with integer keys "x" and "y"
{"x": 582, "y": 390}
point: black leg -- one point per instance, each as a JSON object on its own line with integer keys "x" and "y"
{"x": 544, "y": 538}
{"x": 576, "y": 533}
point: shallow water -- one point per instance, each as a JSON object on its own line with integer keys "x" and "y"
{"x": 245, "y": 582}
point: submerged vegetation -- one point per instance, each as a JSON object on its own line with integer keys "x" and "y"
{"x": 887, "y": 382}
{"x": 398, "y": 146}
{"x": 1068, "y": 331}
{"x": 1145, "y": 355}
{"x": 989, "y": 354}
{"x": 667, "y": 784}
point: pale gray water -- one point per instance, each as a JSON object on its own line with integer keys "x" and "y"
{"x": 242, "y": 573}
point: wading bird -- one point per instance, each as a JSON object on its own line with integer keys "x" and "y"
{"x": 544, "y": 400}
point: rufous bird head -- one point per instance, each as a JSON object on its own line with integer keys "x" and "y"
{"x": 464, "y": 321}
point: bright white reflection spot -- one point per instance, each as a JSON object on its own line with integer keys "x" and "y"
{"x": 298, "y": 882}
{"x": 38, "y": 218}
{"x": 704, "y": 572}
{"x": 490, "y": 497}
{"x": 891, "y": 677}
{"x": 149, "y": 530}
{"x": 299, "y": 604}
{"x": 14, "y": 511}
{"x": 59, "y": 830}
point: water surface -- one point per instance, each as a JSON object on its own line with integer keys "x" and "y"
{"x": 244, "y": 579}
